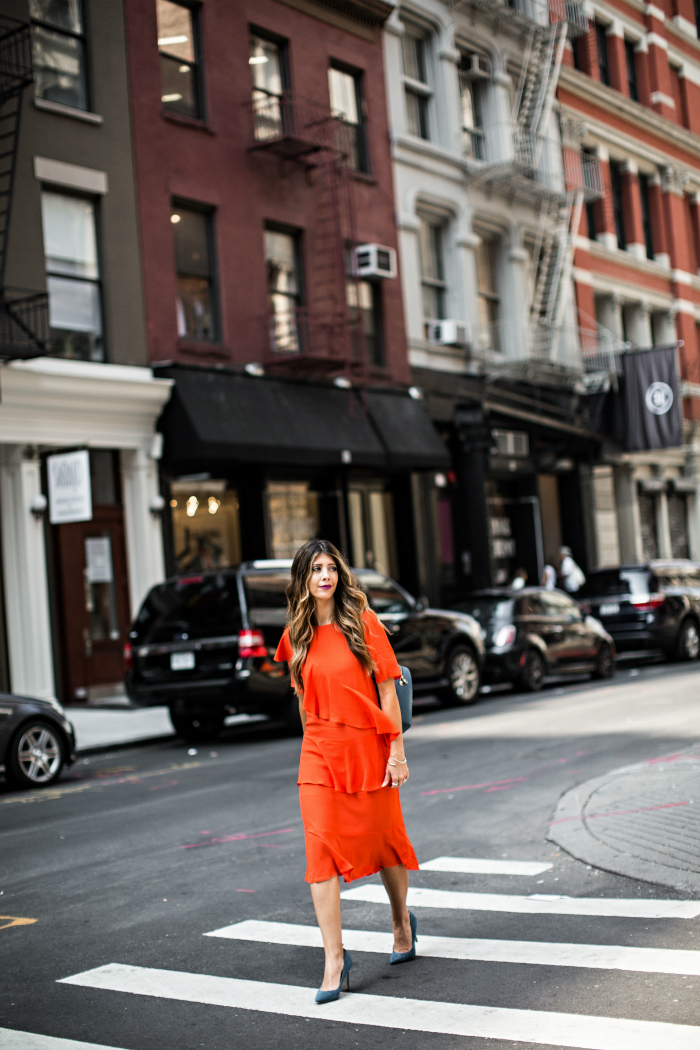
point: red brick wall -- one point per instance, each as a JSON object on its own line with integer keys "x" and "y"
{"x": 211, "y": 163}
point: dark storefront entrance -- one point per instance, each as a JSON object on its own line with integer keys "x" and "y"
{"x": 256, "y": 466}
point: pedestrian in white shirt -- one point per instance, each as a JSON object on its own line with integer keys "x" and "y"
{"x": 573, "y": 575}
{"x": 519, "y": 580}
{"x": 549, "y": 578}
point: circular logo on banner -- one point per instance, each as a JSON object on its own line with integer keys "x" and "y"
{"x": 658, "y": 398}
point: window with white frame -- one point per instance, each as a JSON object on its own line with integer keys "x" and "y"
{"x": 487, "y": 292}
{"x": 72, "y": 276}
{"x": 416, "y": 82}
{"x": 432, "y": 267}
{"x": 473, "y": 77}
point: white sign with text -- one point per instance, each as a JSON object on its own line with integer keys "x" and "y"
{"x": 70, "y": 498}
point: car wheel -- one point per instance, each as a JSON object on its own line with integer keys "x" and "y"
{"x": 688, "y": 644}
{"x": 196, "y": 727}
{"x": 36, "y": 755}
{"x": 463, "y": 676}
{"x": 606, "y": 664}
{"x": 533, "y": 672}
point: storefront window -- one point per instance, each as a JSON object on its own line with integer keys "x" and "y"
{"x": 292, "y": 516}
{"x": 206, "y": 531}
{"x": 371, "y": 521}
{"x": 647, "y": 525}
{"x": 100, "y": 592}
{"x": 678, "y": 524}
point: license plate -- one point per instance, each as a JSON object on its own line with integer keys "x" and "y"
{"x": 181, "y": 661}
{"x": 609, "y": 609}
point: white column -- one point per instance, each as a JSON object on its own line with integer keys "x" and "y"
{"x": 639, "y": 324}
{"x": 663, "y": 526}
{"x": 144, "y": 537}
{"x": 26, "y": 586}
{"x": 609, "y": 311}
{"x": 693, "y": 469}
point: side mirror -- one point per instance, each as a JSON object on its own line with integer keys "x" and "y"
{"x": 421, "y": 603}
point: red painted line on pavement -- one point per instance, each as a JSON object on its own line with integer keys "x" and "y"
{"x": 672, "y": 758}
{"x": 621, "y": 812}
{"x": 473, "y": 787}
{"x": 235, "y": 838}
{"x": 245, "y": 891}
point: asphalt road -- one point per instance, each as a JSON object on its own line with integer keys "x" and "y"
{"x": 137, "y": 854}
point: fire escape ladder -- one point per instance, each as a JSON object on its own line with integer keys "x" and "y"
{"x": 555, "y": 265}
{"x": 24, "y": 329}
{"x": 537, "y": 95}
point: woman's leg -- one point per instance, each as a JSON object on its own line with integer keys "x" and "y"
{"x": 396, "y": 885}
{"x": 326, "y": 898}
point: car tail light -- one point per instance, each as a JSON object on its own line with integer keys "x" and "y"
{"x": 504, "y": 635}
{"x": 647, "y": 602}
{"x": 128, "y": 656}
{"x": 251, "y": 643}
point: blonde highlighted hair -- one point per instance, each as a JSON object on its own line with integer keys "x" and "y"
{"x": 350, "y": 604}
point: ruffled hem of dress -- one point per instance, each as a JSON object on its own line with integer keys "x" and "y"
{"x": 360, "y": 713}
{"x": 367, "y": 781}
{"x": 395, "y": 849}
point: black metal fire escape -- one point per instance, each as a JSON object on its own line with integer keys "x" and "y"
{"x": 24, "y": 314}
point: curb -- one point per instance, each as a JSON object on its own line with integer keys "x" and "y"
{"x": 570, "y": 830}
{"x": 123, "y": 745}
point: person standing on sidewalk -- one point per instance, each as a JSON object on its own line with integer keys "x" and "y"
{"x": 352, "y": 757}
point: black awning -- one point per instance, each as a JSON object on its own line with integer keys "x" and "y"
{"x": 407, "y": 431}
{"x": 216, "y": 414}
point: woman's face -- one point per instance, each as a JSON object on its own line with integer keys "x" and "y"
{"x": 323, "y": 579}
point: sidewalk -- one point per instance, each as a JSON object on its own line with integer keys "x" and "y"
{"x": 100, "y": 727}
{"x": 642, "y": 821}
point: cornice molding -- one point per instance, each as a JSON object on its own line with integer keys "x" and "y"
{"x": 586, "y": 88}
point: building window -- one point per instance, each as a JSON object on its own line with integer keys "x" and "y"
{"x": 576, "y": 48}
{"x": 487, "y": 292}
{"x": 418, "y": 91}
{"x": 471, "y": 95}
{"x": 72, "y": 276}
{"x": 292, "y": 515}
{"x": 194, "y": 262}
{"x": 616, "y": 189}
{"x": 696, "y": 7}
{"x": 646, "y": 215}
{"x": 345, "y": 92}
{"x": 364, "y": 300}
{"x": 601, "y": 37}
{"x": 677, "y": 92}
{"x": 432, "y": 269}
{"x": 283, "y": 289}
{"x": 268, "y": 67}
{"x": 590, "y": 207}
{"x": 58, "y": 52}
{"x": 631, "y": 61}
{"x": 178, "y": 47}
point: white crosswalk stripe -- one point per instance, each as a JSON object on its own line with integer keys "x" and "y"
{"x": 417, "y": 1015}
{"x": 539, "y": 953}
{"x": 535, "y": 904}
{"x": 12, "y": 1040}
{"x": 483, "y": 866}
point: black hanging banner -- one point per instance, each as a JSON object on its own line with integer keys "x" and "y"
{"x": 652, "y": 405}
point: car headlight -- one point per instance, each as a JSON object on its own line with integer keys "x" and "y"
{"x": 504, "y": 635}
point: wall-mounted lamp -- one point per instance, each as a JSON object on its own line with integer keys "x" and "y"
{"x": 156, "y": 505}
{"x": 38, "y": 506}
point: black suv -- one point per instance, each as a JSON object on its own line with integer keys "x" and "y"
{"x": 651, "y": 606}
{"x": 203, "y": 645}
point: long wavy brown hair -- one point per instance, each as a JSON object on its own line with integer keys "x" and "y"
{"x": 350, "y": 604}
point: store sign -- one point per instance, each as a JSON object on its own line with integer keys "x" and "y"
{"x": 651, "y": 401}
{"x": 70, "y": 498}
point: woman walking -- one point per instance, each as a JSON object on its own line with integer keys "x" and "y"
{"x": 352, "y": 757}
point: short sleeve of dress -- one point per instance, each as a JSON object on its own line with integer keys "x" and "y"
{"x": 380, "y": 648}
{"x": 284, "y": 649}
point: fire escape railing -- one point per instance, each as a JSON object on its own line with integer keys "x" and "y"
{"x": 24, "y": 314}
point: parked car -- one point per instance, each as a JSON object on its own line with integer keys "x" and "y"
{"x": 203, "y": 645}
{"x": 36, "y": 741}
{"x": 651, "y": 606}
{"x": 532, "y": 633}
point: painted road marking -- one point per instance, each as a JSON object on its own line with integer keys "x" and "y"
{"x": 416, "y": 1015}
{"x": 477, "y": 866}
{"x": 11, "y": 1040}
{"x": 533, "y": 953}
{"x": 11, "y": 920}
{"x": 536, "y": 904}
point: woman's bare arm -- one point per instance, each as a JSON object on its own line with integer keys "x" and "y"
{"x": 397, "y": 768}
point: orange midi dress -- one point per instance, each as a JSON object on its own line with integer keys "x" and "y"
{"x": 352, "y": 825}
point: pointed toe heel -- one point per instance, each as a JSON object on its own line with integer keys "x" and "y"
{"x": 332, "y": 994}
{"x": 402, "y": 957}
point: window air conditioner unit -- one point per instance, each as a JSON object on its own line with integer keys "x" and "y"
{"x": 374, "y": 260}
{"x": 478, "y": 67}
{"x": 449, "y": 333}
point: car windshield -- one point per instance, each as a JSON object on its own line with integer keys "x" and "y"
{"x": 266, "y": 595}
{"x": 189, "y": 608}
{"x": 487, "y": 608}
{"x": 384, "y": 596}
{"x": 615, "y": 583}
